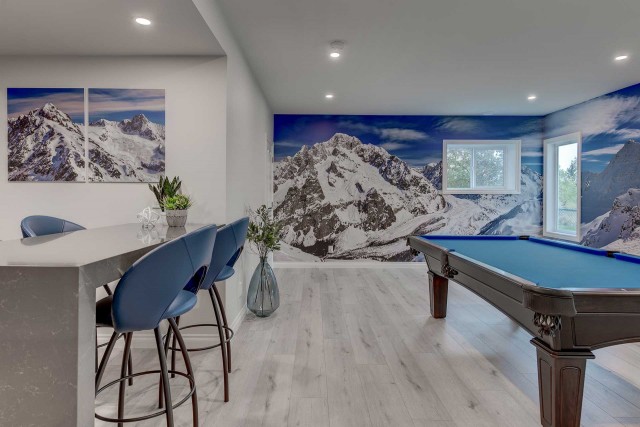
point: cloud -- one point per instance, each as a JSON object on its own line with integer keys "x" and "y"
{"x": 398, "y": 134}
{"x": 394, "y": 145}
{"x": 71, "y": 103}
{"x": 386, "y": 133}
{"x": 531, "y": 153}
{"x": 603, "y": 151}
{"x": 119, "y": 100}
{"x": 460, "y": 124}
{"x": 288, "y": 144}
{"x": 605, "y": 115}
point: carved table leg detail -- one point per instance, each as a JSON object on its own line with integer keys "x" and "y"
{"x": 560, "y": 384}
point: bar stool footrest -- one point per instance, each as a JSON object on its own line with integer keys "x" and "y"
{"x": 199, "y": 325}
{"x": 192, "y": 384}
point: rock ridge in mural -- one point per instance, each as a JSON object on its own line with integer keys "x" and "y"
{"x": 345, "y": 199}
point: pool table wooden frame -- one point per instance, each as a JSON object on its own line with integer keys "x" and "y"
{"x": 566, "y": 323}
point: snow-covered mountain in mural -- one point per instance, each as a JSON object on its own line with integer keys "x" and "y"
{"x": 130, "y": 150}
{"x": 621, "y": 173}
{"x": 45, "y": 145}
{"x": 344, "y": 199}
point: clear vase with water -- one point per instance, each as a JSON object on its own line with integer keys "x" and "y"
{"x": 263, "y": 297}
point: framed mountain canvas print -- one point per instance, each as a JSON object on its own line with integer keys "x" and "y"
{"x": 126, "y": 135}
{"x": 45, "y": 134}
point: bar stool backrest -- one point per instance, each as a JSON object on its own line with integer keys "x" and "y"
{"x": 227, "y": 249}
{"x": 153, "y": 282}
{"x": 41, "y": 225}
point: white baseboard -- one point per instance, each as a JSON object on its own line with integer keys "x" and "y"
{"x": 146, "y": 339}
{"x": 347, "y": 264}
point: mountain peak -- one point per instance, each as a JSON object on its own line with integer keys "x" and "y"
{"x": 51, "y": 112}
{"x": 345, "y": 140}
{"x": 141, "y": 125}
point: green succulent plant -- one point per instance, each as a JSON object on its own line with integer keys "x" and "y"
{"x": 166, "y": 188}
{"x": 177, "y": 202}
{"x": 264, "y": 231}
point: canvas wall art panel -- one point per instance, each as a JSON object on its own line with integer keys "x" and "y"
{"x": 126, "y": 135}
{"x": 46, "y": 135}
{"x": 354, "y": 187}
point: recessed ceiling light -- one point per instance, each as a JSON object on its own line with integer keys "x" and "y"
{"x": 621, "y": 57}
{"x": 335, "y": 49}
{"x": 329, "y": 96}
{"x": 532, "y": 97}
{"x": 143, "y": 21}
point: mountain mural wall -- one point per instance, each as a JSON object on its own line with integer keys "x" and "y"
{"x": 354, "y": 187}
{"x": 610, "y": 127}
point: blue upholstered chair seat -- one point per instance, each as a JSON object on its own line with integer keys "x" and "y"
{"x": 225, "y": 273}
{"x": 184, "y": 302}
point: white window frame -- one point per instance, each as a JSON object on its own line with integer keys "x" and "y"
{"x": 550, "y": 186}
{"x": 512, "y": 172}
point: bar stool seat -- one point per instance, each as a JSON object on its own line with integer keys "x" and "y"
{"x": 184, "y": 302}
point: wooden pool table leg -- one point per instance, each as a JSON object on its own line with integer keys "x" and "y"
{"x": 560, "y": 384}
{"x": 438, "y": 290}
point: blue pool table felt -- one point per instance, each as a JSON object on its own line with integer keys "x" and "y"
{"x": 547, "y": 265}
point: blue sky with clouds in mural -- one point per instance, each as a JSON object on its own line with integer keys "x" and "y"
{"x": 120, "y": 104}
{"x": 70, "y": 101}
{"x": 606, "y": 124}
{"x": 414, "y": 139}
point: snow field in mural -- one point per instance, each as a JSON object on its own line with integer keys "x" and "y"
{"x": 46, "y": 135}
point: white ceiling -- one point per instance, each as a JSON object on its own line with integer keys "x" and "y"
{"x": 104, "y": 27}
{"x": 437, "y": 56}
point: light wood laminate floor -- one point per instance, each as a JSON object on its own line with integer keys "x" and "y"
{"x": 357, "y": 347}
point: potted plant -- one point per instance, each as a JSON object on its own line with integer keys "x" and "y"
{"x": 264, "y": 233}
{"x": 165, "y": 188}
{"x": 176, "y": 208}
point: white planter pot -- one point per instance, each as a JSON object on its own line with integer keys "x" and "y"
{"x": 177, "y": 218}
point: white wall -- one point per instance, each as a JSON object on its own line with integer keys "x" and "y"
{"x": 195, "y": 138}
{"x": 249, "y": 128}
{"x": 195, "y": 144}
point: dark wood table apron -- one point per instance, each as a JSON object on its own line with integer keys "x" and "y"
{"x": 566, "y": 324}
{"x": 47, "y": 318}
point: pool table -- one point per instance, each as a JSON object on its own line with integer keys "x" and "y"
{"x": 571, "y": 298}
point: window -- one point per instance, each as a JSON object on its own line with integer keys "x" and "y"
{"x": 481, "y": 167}
{"x": 562, "y": 187}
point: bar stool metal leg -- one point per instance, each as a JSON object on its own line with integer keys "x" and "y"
{"x": 173, "y": 345}
{"x": 226, "y": 325}
{"x": 123, "y": 373}
{"x": 105, "y": 358}
{"x": 187, "y": 362}
{"x": 223, "y": 347}
{"x": 165, "y": 377}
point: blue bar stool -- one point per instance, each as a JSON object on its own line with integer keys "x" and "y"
{"x": 229, "y": 245}
{"x": 42, "y": 225}
{"x": 152, "y": 290}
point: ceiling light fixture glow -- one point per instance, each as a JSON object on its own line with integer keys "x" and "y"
{"x": 329, "y": 96}
{"x": 335, "y": 49}
{"x": 143, "y": 21}
{"x": 621, "y": 57}
{"x": 532, "y": 97}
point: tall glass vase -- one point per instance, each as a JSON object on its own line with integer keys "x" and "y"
{"x": 263, "y": 297}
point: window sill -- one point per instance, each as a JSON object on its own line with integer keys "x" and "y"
{"x": 480, "y": 192}
{"x": 562, "y": 236}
